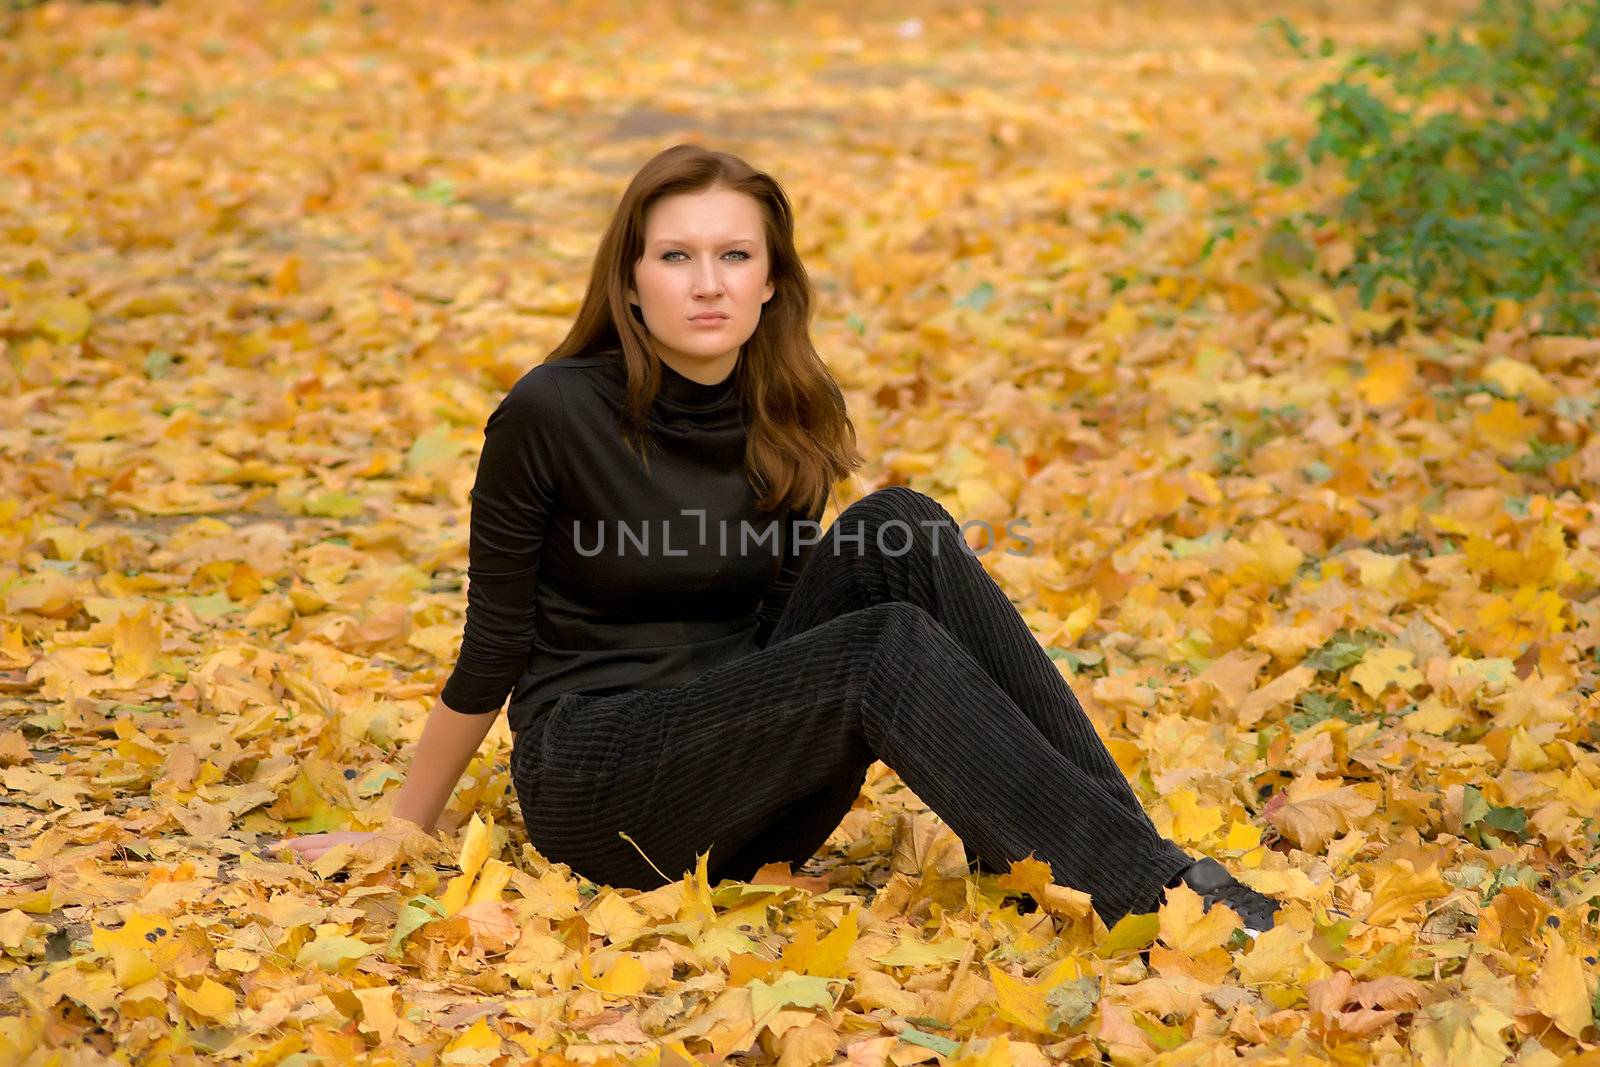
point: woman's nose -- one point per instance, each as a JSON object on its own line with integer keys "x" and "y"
{"x": 707, "y": 283}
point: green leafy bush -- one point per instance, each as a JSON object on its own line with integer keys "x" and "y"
{"x": 1474, "y": 166}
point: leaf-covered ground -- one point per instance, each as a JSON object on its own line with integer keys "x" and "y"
{"x": 1326, "y": 581}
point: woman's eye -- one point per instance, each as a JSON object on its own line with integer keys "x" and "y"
{"x": 735, "y": 252}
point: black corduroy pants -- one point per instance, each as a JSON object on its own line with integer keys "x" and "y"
{"x": 896, "y": 645}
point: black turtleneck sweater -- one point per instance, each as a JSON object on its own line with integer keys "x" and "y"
{"x": 589, "y": 573}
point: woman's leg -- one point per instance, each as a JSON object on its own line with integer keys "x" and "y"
{"x": 714, "y": 762}
{"x": 795, "y": 834}
{"x": 898, "y": 544}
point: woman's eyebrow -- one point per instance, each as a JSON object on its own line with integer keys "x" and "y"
{"x": 681, "y": 241}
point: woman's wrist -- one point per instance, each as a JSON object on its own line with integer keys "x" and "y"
{"x": 448, "y": 741}
{"x": 399, "y": 819}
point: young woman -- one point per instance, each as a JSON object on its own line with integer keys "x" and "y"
{"x": 690, "y": 668}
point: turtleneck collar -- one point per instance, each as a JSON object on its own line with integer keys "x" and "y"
{"x": 682, "y": 392}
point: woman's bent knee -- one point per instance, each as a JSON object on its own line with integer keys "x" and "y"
{"x": 896, "y": 520}
{"x": 899, "y": 616}
{"x": 897, "y": 501}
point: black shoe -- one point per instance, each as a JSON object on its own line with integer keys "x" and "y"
{"x": 1214, "y": 884}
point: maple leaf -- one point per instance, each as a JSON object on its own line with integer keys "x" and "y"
{"x": 1466, "y": 1030}
{"x": 1189, "y": 927}
{"x": 1314, "y": 809}
{"x": 331, "y": 951}
{"x": 1385, "y": 667}
{"x": 1562, "y": 988}
{"x": 475, "y": 845}
{"x": 1399, "y": 888}
{"x": 1503, "y": 426}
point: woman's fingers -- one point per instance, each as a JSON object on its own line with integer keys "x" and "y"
{"x": 306, "y": 847}
{"x": 313, "y": 846}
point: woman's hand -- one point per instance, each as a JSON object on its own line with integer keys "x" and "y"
{"x": 449, "y": 740}
{"x": 311, "y": 847}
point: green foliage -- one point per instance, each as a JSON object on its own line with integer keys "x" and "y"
{"x": 1343, "y": 649}
{"x": 1481, "y": 820}
{"x": 1317, "y": 707}
{"x": 1474, "y": 162}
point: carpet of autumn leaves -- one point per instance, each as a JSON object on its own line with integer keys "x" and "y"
{"x": 1325, "y": 579}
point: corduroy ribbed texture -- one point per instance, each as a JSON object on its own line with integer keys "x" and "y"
{"x": 915, "y": 658}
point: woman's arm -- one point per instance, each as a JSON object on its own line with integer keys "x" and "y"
{"x": 449, "y": 741}
{"x": 512, "y": 496}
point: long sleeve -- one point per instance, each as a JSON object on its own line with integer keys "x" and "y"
{"x": 794, "y": 560}
{"x": 512, "y": 497}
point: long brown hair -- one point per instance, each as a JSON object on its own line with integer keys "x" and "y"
{"x": 800, "y": 438}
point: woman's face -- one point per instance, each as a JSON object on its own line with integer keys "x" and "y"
{"x": 703, "y": 252}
